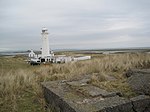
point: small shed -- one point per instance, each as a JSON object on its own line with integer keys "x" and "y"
{"x": 31, "y": 54}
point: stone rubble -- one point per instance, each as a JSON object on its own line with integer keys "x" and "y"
{"x": 79, "y": 96}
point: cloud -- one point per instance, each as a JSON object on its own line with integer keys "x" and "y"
{"x": 74, "y": 23}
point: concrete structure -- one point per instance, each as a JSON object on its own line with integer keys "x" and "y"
{"x": 139, "y": 80}
{"x": 80, "y": 58}
{"x": 79, "y": 96}
{"x": 62, "y": 59}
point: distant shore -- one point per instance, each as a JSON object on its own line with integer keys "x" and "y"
{"x": 86, "y": 51}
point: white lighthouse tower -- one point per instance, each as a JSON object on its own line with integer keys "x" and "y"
{"x": 47, "y": 55}
{"x": 45, "y": 43}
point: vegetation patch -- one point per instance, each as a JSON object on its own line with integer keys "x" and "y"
{"x": 20, "y": 88}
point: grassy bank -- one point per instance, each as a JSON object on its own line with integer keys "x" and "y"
{"x": 20, "y": 88}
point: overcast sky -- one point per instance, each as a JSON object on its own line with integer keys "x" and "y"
{"x": 74, "y": 24}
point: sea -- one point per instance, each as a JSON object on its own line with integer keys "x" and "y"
{"x": 97, "y": 51}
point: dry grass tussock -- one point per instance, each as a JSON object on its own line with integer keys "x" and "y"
{"x": 20, "y": 82}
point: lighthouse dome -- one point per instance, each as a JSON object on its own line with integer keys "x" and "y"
{"x": 44, "y": 29}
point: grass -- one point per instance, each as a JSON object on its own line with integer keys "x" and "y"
{"x": 20, "y": 88}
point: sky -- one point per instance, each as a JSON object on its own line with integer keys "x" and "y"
{"x": 74, "y": 24}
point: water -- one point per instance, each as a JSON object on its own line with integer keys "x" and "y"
{"x": 13, "y": 53}
{"x": 98, "y": 51}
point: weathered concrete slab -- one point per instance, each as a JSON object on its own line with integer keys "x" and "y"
{"x": 71, "y": 97}
{"x": 139, "y": 80}
{"x": 131, "y": 72}
{"x": 141, "y": 103}
{"x": 115, "y": 104}
{"x": 94, "y": 91}
{"x": 78, "y": 83}
{"x": 89, "y": 90}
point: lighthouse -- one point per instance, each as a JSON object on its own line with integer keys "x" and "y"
{"x": 45, "y": 43}
{"x": 47, "y": 55}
